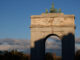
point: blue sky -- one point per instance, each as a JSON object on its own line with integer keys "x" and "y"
{"x": 15, "y": 15}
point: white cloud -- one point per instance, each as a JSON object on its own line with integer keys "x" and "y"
{"x": 6, "y": 44}
{"x": 4, "y": 47}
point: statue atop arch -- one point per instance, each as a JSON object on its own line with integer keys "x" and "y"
{"x": 53, "y": 10}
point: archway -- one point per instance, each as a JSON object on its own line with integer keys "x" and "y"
{"x": 60, "y": 24}
{"x": 38, "y": 52}
{"x": 53, "y": 48}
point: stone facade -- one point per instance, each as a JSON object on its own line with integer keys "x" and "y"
{"x": 51, "y": 23}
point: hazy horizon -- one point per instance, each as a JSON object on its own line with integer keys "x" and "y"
{"x": 53, "y": 46}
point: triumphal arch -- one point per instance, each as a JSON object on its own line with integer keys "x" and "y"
{"x": 57, "y": 24}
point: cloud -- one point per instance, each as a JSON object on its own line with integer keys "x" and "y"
{"x": 4, "y": 47}
{"x": 10, "y": 44}
{"x": 53, "y": 42}
{"x": 56, "y": 43}
{"x": 77, "y": 40}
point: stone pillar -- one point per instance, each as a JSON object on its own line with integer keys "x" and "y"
{"x": 68, "y": 47}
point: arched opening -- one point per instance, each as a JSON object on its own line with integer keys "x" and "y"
{"x": 67, "y": 49}
{"x": 53, "y": 48}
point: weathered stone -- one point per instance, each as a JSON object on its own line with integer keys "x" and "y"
{"x": 51, "y": 23}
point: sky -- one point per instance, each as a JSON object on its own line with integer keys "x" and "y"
{"x": 15, "y": 15}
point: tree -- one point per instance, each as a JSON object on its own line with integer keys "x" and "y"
{"x": 49, "y": 56}
{"x": 77, "y": 56}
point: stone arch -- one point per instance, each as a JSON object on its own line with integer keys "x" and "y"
{"x": 60, "y": 24}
